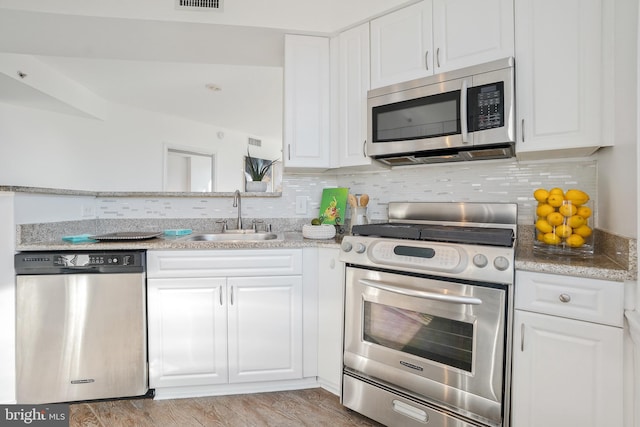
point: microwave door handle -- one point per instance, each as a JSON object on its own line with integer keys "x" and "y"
{"x": 463, "y": 112}
{"x": 421, "y": 294}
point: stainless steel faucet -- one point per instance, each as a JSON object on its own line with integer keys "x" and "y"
{"x": 237, "y": 203}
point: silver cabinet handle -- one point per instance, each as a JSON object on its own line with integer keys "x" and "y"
{"x": 231, "y": 291}
{"x": 221, "y": 301}
{"x": 438, "y": 57}
{"x": 421, "y": 294}
{"x": 289, "y": 152}
{"x": 564, "y": 298}
{"x": 522, "y": 130}
{"x": 364, "y": 148}
{"x": 426, "y": 60}
{"x": 522, "y": 337}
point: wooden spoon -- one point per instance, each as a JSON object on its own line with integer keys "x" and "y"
{"x": 353, "y": 202}
{"x": 364, "y": 200}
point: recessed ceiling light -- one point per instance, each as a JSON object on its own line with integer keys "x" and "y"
{"x": 212, "y": 87}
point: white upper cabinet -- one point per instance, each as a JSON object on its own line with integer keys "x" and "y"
{"x": 434, "y": 36}
{"x": 352, "y": 69}
{"x": 559, "y": 74}
{"x": 470, "y": 32}
{"x": 306, "y": 102}
{"x": 401, "y": 45}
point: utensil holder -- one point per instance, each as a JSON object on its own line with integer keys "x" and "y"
{"x": 359, "y": 216}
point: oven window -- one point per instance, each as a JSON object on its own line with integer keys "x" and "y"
{"x": 428, "y": 117}
{"x": 430, "y": 337}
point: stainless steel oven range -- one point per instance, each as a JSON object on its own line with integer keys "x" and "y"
{"x": 428, "y": 315}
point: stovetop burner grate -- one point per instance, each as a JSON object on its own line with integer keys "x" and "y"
{"x": 439, "y": 233}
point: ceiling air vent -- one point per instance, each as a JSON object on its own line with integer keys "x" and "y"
{"x": 199, "y": 4}
{"x": 255, "y": 141}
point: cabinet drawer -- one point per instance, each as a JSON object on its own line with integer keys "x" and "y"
{"x": 598, "y": 301}
{"x": 218, "y": 263}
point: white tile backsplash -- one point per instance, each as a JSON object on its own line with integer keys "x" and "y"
{"x": 487, "y": 181}
{"x": 496, "y": 181}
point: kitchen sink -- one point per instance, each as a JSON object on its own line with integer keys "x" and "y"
{"x": 231, "y": 235}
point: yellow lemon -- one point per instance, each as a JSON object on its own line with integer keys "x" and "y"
{"x": 544, "y": 210}
{"x": 555, "y": 200}
{"x": 564, "y": 231}
{"x": 576, "y": 221}
{"x": 552, "y": 239}
{"x": 556, "y": 190}
{"x": 543, "y": 226}
{"x": 584, "y": 211}
{"x": 583, "y": 230}
{"x": 577, "y": 197}
{"x": 541, "y": 195}
{"x": 540, "y": 237}
{"x": 555, "y": 218}
{"x": 568, "y": 209}
{"x": 575, "y": 241}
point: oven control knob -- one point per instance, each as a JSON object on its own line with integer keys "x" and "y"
{"x": 501, "y": 263}
{"x": 360, "y": 248}
{"x": 346, "y": 246}
{"x": 480, "y": 261}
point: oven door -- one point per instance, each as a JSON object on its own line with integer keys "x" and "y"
{"x": 441, "y": 340}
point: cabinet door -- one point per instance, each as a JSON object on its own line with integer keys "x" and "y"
{"x": 331, "y": 314}
{"x": 353, "y": 84}
{"x": 566, "y": 373}
{"x": 187, "y": 332}
{"x": 558, "y": 77}
{"x": 470, "y": 32}
{"x": 265, "y": 328}
{"x": 401, "y": 45}
{"x": 306, "y": 102}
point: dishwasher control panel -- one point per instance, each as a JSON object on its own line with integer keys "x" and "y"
{"x": 90, "y": 261}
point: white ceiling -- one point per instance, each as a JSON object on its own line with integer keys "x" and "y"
{"x": 163, "y": 64}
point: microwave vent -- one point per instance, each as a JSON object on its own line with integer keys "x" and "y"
{"x": 199, "y": 4}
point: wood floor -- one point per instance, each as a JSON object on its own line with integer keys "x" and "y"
{"x": 311, "y": 407}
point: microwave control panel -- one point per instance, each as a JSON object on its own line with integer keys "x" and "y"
{"x": 486, "y": 106}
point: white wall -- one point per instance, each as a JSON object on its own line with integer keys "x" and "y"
{"x": 122, "y": 153}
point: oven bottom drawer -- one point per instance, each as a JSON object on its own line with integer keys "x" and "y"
{"x": 391, "y": 409}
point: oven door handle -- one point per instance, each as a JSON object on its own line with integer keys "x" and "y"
{"x": 421, "y": 294}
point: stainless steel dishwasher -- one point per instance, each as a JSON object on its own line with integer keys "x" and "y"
{"x": 80, "y": 326}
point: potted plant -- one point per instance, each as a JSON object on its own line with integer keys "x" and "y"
{"x": 256, "y": 170}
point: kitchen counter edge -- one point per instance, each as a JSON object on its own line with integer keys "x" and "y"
{"x": 284, "y": 240}
{"x": 596, "y": 267}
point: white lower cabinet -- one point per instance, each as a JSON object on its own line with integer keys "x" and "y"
{"x": 568, "y": 352}
{"x": 265, "y": 328}
{"x": 224, "y": 317}
{"x": 187, "y": 325}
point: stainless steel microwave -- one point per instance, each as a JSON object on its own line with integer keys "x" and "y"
{"x": 466, "y": 114}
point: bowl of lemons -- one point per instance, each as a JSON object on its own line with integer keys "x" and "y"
{"x": 563, "y": 222}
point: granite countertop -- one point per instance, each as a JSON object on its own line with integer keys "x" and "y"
{"x": 616, "y": 261}
{"x": 615, "y": 258}
{"x": 287, "y": 239}
{"x": 595, "y": 267}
